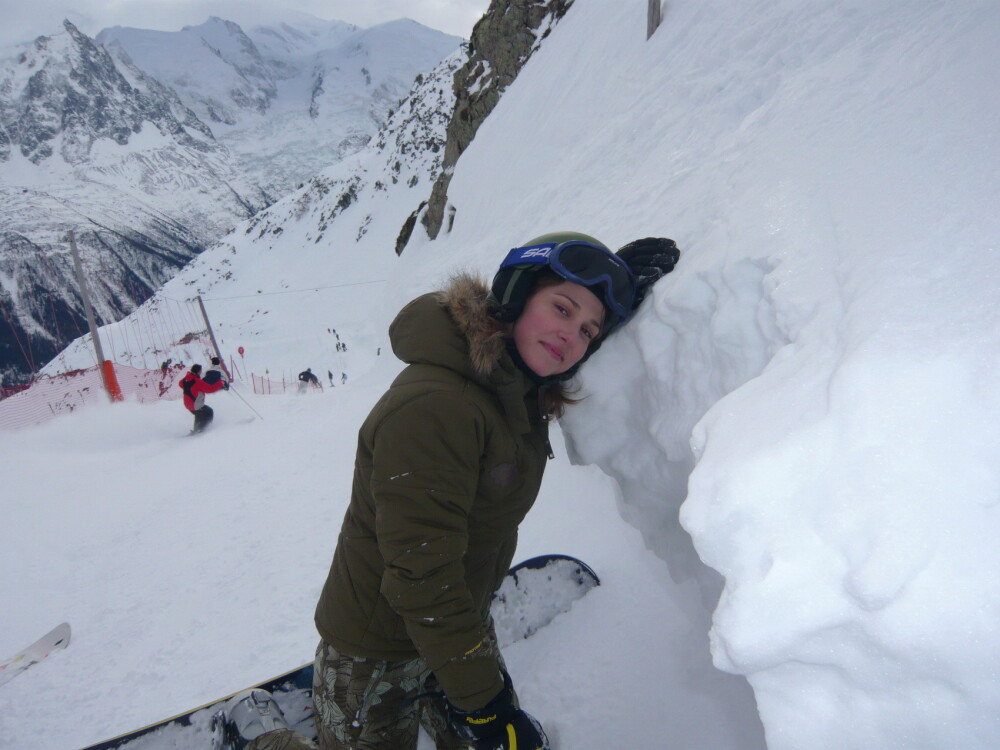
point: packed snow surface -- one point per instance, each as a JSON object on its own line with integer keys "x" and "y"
{"x": 798, "y": 432}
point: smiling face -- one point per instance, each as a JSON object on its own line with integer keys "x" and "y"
{"x": 557, "y": 326}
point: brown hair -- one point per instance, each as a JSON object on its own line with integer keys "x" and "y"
{"x": 555, "y": 399}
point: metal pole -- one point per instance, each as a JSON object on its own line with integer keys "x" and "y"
{"x": 85, "y": 296}
{"x": 107, "y": 369}
{"x": 211, "y": 335}
{"x": 234, "y": 392}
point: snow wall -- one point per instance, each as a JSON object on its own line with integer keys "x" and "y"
{"x": 812, "y": 395}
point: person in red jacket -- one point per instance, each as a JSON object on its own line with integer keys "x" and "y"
{"x": 194, "y": 397}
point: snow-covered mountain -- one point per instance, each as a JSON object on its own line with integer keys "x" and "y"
{"x": 367, "y": 204}
{"x": 285, "y": 98}
{"x": 371, "y": 203}
{"x": 112, "y": 146}
{"x": 93, "y": 145}
{"x": 808, "y": 404}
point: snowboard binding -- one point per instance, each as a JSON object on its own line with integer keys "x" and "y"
{"x": 245, "y": 717}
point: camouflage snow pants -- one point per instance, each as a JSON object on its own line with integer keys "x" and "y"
{"x": 366, "y": 704}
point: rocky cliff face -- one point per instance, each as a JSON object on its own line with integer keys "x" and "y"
{"x": 502, "y": 42}
{"x": 397, "y": 166}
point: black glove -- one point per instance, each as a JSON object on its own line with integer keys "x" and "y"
{"x": 500, "y": 725}
{"x": 650, "y": 259}
{"x": 225, "y": 385}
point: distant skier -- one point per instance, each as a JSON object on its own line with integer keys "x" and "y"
{"x": 343, "y": 378}
{"x": 195, "y": 389}
{"x": 307, "y": 378}
{"x": 330, "y": 375}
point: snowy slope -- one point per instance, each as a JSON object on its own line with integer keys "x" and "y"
{"x": 812, "y": 395}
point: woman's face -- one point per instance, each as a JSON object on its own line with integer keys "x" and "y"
{"x": 558, "y": 324}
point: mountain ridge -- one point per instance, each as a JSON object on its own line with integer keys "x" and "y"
{"x": 92, "y": 142}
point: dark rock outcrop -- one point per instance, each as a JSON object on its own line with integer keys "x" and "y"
{"x": 502, "y": 42}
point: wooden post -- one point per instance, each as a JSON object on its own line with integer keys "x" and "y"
{"x": 222, "y": 362}
{"x": 652, "y": 17}
{"x": 107, "y": 369}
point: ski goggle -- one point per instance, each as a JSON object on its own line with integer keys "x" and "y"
{"x": 586, "y": 264}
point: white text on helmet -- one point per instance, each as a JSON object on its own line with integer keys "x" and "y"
{"x": 542, "y": 251}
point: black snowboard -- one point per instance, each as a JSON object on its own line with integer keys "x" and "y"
{"x": 532, "y": 594}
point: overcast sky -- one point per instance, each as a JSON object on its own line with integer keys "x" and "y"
{"x": 23, "y": 20}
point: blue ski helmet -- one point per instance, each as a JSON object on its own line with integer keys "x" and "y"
{"x": 572, "y": 256}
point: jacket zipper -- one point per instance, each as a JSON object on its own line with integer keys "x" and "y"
{"x": 545, "y": 419}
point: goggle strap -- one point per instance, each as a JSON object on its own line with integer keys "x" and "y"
{"x": 511, "y": 286}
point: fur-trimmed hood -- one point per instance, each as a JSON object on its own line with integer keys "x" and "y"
{"x": 454, "y": 328}
{"x": 465, "y": 299}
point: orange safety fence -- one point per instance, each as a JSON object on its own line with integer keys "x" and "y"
{"x": 147, "y": 386}
{"x": 50, "y": 396}
{"x": 266, "y": 386}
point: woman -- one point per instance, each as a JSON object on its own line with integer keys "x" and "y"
{"x": 449, "y": 461}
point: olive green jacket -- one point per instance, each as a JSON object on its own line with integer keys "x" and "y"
{"x": 448, "y": 463}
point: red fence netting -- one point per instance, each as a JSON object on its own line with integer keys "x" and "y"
{"x": 48, "y": 397}
{"x": 6, "y": 391}
{"x": 266, "y": 386}
{"x": 146, "y": 386}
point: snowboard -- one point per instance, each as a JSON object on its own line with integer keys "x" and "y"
{"x": 535, "y": 592}
{"x": 55, "y": 640}
{"x": 532, "y": 594}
